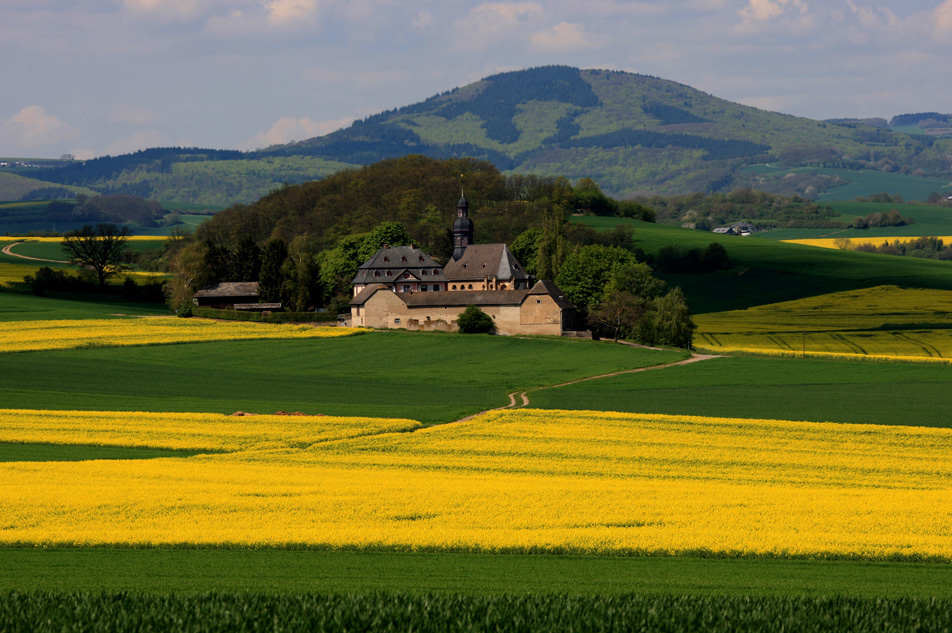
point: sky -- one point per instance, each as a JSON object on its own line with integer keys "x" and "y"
{"x": 98, "y": 77}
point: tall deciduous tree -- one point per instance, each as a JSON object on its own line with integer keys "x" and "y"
{"x": 673, "y": 324}
{"x": 618, "y": 313}
{"x": 101, "y": 248}
{"x": 585, "y": 274}
{"x": 302, "y": 275}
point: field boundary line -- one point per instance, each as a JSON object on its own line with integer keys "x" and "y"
{"x": 524, "y": 395}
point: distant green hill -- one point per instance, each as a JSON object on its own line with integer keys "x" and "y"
{"x": 632, "y": 134}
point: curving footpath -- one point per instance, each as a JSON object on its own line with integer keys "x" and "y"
{"x": 7, "y": 250}
{"x": 524, "y": 395}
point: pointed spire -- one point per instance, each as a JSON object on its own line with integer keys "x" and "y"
{"x": 462, "y": 207}
{"x": 463, "y": 227}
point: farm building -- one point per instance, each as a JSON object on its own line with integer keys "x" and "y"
{"x": 229, "y": 295}
{"x": 401, "y": 287}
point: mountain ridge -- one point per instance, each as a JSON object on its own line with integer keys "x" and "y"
{"x": 633, "y": 134}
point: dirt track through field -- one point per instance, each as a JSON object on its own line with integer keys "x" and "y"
{"x": 524, "y": 395}
{"x": 7, "y": 250}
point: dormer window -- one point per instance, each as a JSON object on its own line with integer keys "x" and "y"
{"x": 389, "y": 273}
{"x": 404, "y": 258}
{"x": 421, "y": 258}
{"x": 376, "y": 273}
{"x": 423, "y": 272}
{"x": 386, "y": 259}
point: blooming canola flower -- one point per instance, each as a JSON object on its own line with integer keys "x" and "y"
{"x": 522, "y": 480}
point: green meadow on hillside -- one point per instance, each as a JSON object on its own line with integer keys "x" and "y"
{"x": 765, "y": 271}
{"x": 884, "y": 322}
{"x": 23, "y": 307}
{"x": 929, "y": 220}
{"x": 864, "y": 182}
{"x": 54, "y": 251}
{"x": 768, "y": 388}
{"x": 427, "y": 377}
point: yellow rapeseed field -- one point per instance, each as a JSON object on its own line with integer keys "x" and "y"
{"x": 186, "y": 431}
{"x": 884, "y": 322}
{"x": 522, "y": 480}
{"x": 832, "y": 242}
{"x": 21, "y": 336}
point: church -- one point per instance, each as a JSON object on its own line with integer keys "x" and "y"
{"x": 401, "y": 287}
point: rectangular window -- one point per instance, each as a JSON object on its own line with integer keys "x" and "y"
{"x": 436, "y": 287}
{"x": 396, "y": 321}
{"x": 423, "y": 288}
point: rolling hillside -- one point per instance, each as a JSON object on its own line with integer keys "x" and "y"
{"x": 630, "y": 133}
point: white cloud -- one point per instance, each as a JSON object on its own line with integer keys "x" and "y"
{"x": 33, "y": 128}
{"x": 492, "y": 21}
{"x": 291, "y": 12}
{"x": 288, "y": 129}
{"x": 615, "y": 8}
{"x": 763, "y": 10}
{"x": 173, "y": 10}
{"x": 423, "y": 21}
{"x": 943, "y": 17}
{"x": 564, "y": 37}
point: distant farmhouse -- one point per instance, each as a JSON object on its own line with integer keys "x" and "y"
{"x": 737, "y": 228}
{"x": 403, "y": 287}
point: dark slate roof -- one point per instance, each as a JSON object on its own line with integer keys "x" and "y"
{"x": 468, "y": 297}
{"x": 229, "y": 289}
{"x": 398, "y": 259}
{"x": 548, "y": 287}
{"x": 464, "y": 298}
{"x": 486, "y": 260}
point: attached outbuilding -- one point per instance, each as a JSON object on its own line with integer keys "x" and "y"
{"x": 226, "y": 295}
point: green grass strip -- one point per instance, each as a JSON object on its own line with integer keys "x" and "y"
{"x": 306, "y": 571}
{"x": 16, "y": 452}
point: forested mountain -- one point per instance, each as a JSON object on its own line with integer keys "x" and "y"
{"x": 632, "y": 134}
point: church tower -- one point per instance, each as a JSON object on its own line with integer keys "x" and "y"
{"x": 462, "y": 228}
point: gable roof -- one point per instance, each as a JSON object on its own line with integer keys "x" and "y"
{"x": 464, "y": 298}
{"x": 229, "y": 289}
{"x": 480, "y": 261}
{"x": 548, "y": 287}
{"x": 366, "y": 292}
{"x": 397, "y": 260}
